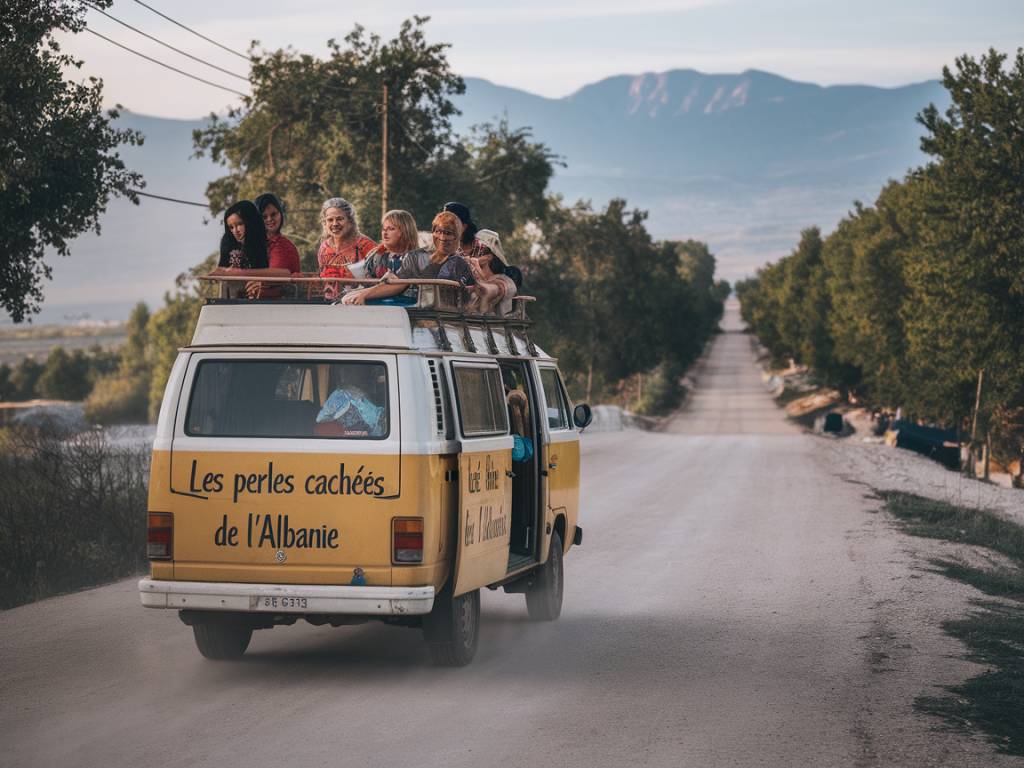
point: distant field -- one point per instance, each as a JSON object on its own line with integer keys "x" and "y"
{"x": 37, "y": 341}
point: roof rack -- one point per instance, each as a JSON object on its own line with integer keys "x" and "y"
{"x": 434, "y": 299}
{"x": 438, "y": 309}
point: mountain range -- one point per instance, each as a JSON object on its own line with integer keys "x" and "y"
{"x": 742, "y": 161}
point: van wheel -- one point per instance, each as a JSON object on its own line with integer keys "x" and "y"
{"x": 220, "y": 639}
{"x": 452, "y": 628}
{"x": 544, "y": 598}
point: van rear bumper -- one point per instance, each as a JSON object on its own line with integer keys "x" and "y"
{"x": 286, "y": 598}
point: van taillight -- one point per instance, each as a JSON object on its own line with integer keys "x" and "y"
{"x": 407, "y": 539}
{"x": 160, "y": 536}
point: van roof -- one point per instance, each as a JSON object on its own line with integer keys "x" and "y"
{"x": 339, "y": 325}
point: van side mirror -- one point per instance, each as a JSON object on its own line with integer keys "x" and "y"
{"x": 582, "y": 415}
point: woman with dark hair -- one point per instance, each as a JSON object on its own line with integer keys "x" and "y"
{"x": 243, "y": 247}
{"x": 281, "y": 252}
{"x": 468, "y": 243}
{"x": 244, "y": 243}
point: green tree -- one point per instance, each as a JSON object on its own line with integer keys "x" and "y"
{"x": 312, "y": 127}
{"x": 59, "y": 167}
{"x": 25, "y": 378}
{"x": 968, "y": 279}
{"x": 121, "y": 395}
{"x": 170, "y": 328}
{"x": 65, "y": 376}
{"x": 7, "y": 389}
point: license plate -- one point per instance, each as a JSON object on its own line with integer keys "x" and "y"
{"x": 279, "y": 603}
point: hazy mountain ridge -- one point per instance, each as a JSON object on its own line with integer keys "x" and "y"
{"x": 743, "y": 161}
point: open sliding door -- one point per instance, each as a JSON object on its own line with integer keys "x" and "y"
{"x": 485, "y": 485}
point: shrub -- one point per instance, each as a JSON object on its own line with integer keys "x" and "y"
{"x": 118, "y": 399}
{"x": 72, "y": 512}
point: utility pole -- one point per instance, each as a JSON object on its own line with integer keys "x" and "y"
{"x": 384, "y": 153}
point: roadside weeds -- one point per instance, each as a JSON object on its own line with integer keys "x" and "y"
{"x": 992, "y": 562}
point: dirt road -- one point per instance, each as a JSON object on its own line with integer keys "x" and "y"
{"x": 735, "y": 603}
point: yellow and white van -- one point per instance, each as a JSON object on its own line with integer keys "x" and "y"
{"x": 344, "y": 463}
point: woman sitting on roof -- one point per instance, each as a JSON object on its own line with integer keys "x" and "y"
{"x": 342, "y": 243}
{"x": 445, "y": 263}
{"x": 243, "y": 247}
{"x": 468, "y": 242}
{"x": 496, "y": 283}
{"x": 281, "y": 252}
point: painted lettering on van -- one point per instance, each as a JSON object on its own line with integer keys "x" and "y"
{"x": 489, "y": 475}
{"x": 271, "y": 483}
{"x": 275, "y": 532}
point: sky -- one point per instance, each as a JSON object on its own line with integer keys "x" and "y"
{"x": 552, "y": 47}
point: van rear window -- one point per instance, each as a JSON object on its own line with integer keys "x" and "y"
{"x": 289, "y": 398}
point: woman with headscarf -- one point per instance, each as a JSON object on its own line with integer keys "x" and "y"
{"x": 342, "y": 243}
{"x": 495, "y": 281}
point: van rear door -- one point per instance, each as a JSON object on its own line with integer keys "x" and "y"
{"x": 485, "y": 486}
{"x": 281, "y": 465}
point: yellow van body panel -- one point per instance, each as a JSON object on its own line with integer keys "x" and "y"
{"x": 564, "y": 485}
{"x": 485, "y": 516}
{"x": 302, "y": 518}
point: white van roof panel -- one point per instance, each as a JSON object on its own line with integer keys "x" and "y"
{"x": 290, "y": 324}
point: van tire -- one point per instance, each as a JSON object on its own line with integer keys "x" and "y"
{"x": 452, "y": 628}
{"x": 544, "y": 598}
{"x": 221, "y": 640}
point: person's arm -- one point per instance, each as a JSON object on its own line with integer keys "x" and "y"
{"x": 488, "y": 293}
{"x": 378, "y": 291}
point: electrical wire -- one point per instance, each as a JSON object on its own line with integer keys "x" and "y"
{"x": 166, "y": 45}
{"x": 169, "y": 199}
{"x": 394, "y": 118}
{"x": 189, "y": 29}
{"x": 166, "y": 66}
{"x": 207, "y": 205}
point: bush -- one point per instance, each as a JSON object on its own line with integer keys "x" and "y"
{"x": 72, "y": 512}
{"x": 118, "y": 399}
{"x": 663, "y": 391}
{"x": 65, "y": 376}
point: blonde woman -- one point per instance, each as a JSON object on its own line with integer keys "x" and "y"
{"x": 445, "y": 263}
{"x": 398, "y": 236}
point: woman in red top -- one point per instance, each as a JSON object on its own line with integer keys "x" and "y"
{"x": 342, "y": 244}
{"x": 281, "y": 252}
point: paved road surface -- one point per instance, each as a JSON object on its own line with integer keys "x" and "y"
{"x": 734, "y": 604}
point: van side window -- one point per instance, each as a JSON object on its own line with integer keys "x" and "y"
{"x": 558, "y": 416}
{"x": 289, "y": 398}
{"x": 481, "y": 399}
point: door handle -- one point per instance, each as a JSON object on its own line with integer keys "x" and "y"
{"x": 509, "y": 473}
{"x": 553, "y": 465}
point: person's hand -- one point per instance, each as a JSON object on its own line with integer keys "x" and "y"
{"x": 354, "y": 297}
{"x": 474, "y": 268}
{"x": 253, "y": 289}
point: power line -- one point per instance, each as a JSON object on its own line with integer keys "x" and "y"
{"x": 409, "y": 135}
{"x": 206, "y": 205}
{"x": 166, "y": 66}
{"x": 167, "y": 45}
{"x": 169, "y": 199}
{"x": 189, "y": 29}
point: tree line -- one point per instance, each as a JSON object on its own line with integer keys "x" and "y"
{"x": 917, "y": 301}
